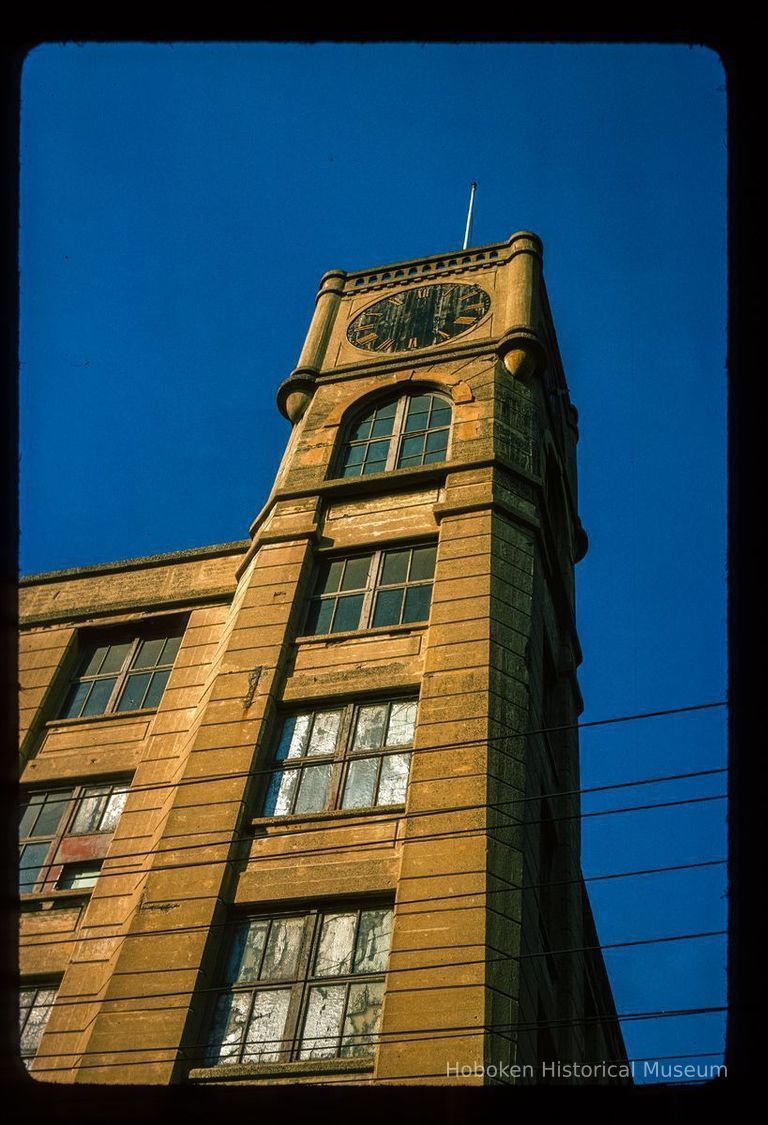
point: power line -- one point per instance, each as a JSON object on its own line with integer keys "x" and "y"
{"x": 411, "y": 1035}
{"x": 275, "y": 766}
{"x": 368, "y": 818}
{"x": 79, "y": 1001}
{"x": 520, "y": 887}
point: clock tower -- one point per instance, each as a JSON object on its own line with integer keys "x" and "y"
{"x": 354, "y": 814}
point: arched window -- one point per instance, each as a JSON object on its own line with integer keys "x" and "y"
{"x": 400, "y": 434}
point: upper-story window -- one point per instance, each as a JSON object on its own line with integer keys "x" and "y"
{"x": 64, "y": 834}
{"x": 368, "y": 591}
{"x": 303, "y": 986}
{"x": 125, "y": 671}
{"x": 410, "y": 431}
{"x": 35, "y": 1006}
{"x": 347, "y": 757}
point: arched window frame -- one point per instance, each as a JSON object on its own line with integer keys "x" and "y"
{"x": 398, "y": 434}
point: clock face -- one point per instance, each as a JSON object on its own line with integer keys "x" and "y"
{"x": 419, "y": 318}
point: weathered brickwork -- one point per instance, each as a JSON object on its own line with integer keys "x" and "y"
{"x": 480, "y": 859}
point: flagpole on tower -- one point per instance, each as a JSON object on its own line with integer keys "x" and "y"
{"x": 468, "y": 229}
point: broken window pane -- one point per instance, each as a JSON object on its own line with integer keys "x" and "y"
{"x": 325, "y": 730}
{"x": 35, "y": 1006}
{"x": 90, "y": 810}
{"x": 334, "y": 952}
{"x": 247, "y": 949}
{"x": 373, "y": 940}
{"x": 313, "y": 790}
{"x": 323, "y": 1023}
{"x": 393, "y": 783}
{"x": 282, "y": 955}
{"x": 293, "y": 740}
{"x": 363, "y": 1017}
{"x": 228, "y": 1026}
{"x": 371, "y": 722}
{"x": 402, "y": 722}
{"x": 360, "y": 784}
{"x": 280, "y": 793}
{"x": 266, "y": 1027}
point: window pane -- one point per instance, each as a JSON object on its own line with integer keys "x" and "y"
{"x": 320, "y": 613}
{"x": 313, "y": 791}
{"x": 441, "y": 416}
{"x": 283, "y": 948}
{"x": 375, "y": 466}
{"x": 363, "y": 1017}
{"x": 362, "y": 430}
{"x": 29, "y": 814}
{"x": 334, "y": 951}
{"x": 266, "y": 1027}
{"x": 395, "y": 567}
{"x": 134, "y": 691}
{"x": 244, "y": 961}
{"x": 323, "y": 1023}
{"x": 409, "y": 462}
{"x": 412, "y": 447}
{"x": 373, "y": 941}
{"x": 280, "y": 793}
{"x": 31, "y": 860}
{"x": 171, "y": 650}
{"x": 51, "y": 813}
{"x": 360, "y": 784}
{"x": 437, "y": 455}
{"x": 115, "y": 806}
{"x": 387, "y": 411}
{"x": 347, "y": 613}
{"x": 115, "y": 657}
{"x": 371, "y": 722}
{"x": 329, "y": 577}
{"x": 228, "y": 1026}
{"x": 402, "y": 723}
{"x": 37, "y": 1014}
{"x": 377, "y": 451}
{"x": 356, "y": 573}
{"x": 75, "y": 700}
{"x": 423, "y": 563}
{"x": 90, "y": 810}
{"x": 149, "y": 653}
{"x": 351, "y": 469}
{"x": 382, "y": 427}
{"x": 354, "y": 455}
{"x": 92, "y": 664}
{"x": 393, "y": 784}
{"x": 419, "y": 404}
{"x": 437, "y": 441}
{"x": 388, "y": 604}
{"x": 417, "y": 601}
{"x": 156, "y": 688}
{"x": 293, "y": 739}
{"x": 99, "y": 697}
{"x": 78, "y": 876}
{"x": 325, "y": 731}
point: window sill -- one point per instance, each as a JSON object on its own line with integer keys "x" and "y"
{"x": 367, "y": 812}
{"x": 309, "y": 1067}
{"x": 353, "y": 634}
{"x": 44, "y": 900}
{"x": 82, "y": 720}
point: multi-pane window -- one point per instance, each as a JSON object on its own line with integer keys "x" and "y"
{"x": 412, "y": 430}
{"x": 62, "y": 829}
{"x": 303, "y": 986}
{"x": 123, "y": 673}
{"x": 367, "y": 591}
{"x": 348, "y": 757}
{"x": 35, "y": 1006}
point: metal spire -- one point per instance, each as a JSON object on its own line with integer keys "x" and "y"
{"x": 468, "y": 230}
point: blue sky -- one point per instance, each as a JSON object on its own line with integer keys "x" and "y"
{"x": 179, "y": 204}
